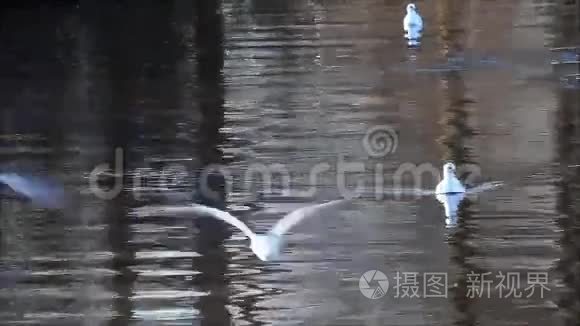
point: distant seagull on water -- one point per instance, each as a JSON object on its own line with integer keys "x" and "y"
{"x": 267, "y": 247}
{"x": 450, "y": 192}
{"x": 412, "y": 25}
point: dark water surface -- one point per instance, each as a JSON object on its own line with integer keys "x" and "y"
{"x": 179, "y": 87}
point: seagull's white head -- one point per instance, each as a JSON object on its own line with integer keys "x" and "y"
{"x": 449, "y": 169}
{"x": 411, "y": 7}
{"x": 266, "y": 247}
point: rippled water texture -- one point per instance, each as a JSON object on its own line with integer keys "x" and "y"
{"x": 163, "y": 90}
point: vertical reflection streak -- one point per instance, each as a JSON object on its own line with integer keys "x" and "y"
{"x": 456, "y": 133}
{"x": 114, "y": 92}
{"x": 213, "y": 260}
{"x": 568, "y": 205}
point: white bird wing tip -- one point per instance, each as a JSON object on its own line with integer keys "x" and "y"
{"x": 296, "y": 216}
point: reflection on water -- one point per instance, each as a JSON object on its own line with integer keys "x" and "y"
{"x": 455, "y": 141}
{"x": 567, "y": 125}
{"x": 212, "y": 262}
{"x": 182, "y": 87}
{"x": 451, "y": 205}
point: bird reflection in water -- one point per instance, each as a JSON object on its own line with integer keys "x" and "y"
{"x": 451, "y": 203}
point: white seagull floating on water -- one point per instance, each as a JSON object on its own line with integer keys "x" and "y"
{"x": 412, "y": 25}
{"x": 450, "y": 184}
{"x": 450, "y": 192}
{"x": 268, "y": 246}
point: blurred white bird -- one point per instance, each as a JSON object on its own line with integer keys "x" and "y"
{"x": 267, "y": 247}
{"x": 40, "y": 191}
{"x": 450, "y": 184}
{"x": 412, "y": 25}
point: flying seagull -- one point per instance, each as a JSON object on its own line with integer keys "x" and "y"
{"x": 266, "y": 247}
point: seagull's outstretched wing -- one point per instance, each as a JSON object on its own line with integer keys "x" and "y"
{"x": 294, "y": 217}
{"x": 484, "y": 187}
{"x": 39, "y": 191}
{"x": 418, "y": 192}
{"x": 195, "y": 209}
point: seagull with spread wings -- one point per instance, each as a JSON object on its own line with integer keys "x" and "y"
{"x": 268, "y": 246}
